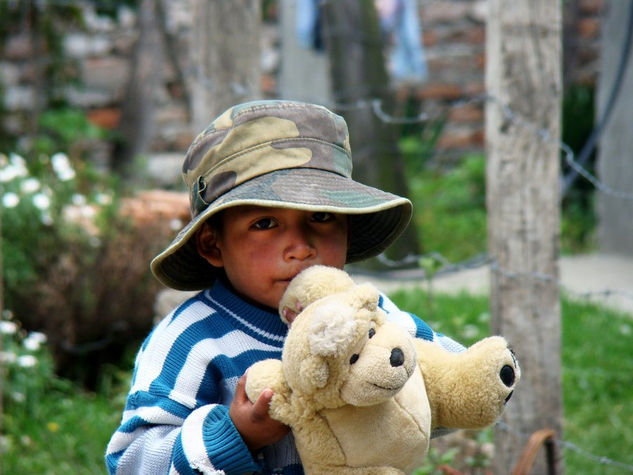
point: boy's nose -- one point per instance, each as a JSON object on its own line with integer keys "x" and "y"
{"x": 299, "y": 245}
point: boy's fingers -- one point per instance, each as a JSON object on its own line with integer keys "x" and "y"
{"x": 260, "y": 408}
{"x": 240, "y": 390}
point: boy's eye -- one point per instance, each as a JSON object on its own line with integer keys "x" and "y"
{"x": 264, "y": 223}
{"x": 322, "y": 217}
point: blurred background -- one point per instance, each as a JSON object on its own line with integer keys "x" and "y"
{"x": 101, "y": 98}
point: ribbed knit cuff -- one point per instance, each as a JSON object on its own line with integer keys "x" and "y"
{"x": 210, "y": 442}
{"x": 224, "y": 444}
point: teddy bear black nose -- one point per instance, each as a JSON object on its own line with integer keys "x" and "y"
{"x": 397, "y": 357}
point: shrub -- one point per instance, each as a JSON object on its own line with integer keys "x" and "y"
{"x": 74, "y": 267}
{"x": 48, "y": 424}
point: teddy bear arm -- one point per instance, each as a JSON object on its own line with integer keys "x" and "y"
{"x": 268, "y": 374}
{"x": 469, "y": 389}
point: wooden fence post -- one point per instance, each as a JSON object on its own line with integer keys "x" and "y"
{"x": 523, "y": 71}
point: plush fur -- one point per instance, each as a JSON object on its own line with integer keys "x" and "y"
{"x": 360, "y": 394}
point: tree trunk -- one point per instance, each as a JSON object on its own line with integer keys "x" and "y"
{"x": 523, "y": 70}
{"x": 358, "y": 76}
{"x": 225, "y": 57}
{"x": 615, "y": 215}
{"x": 137, "y": 114}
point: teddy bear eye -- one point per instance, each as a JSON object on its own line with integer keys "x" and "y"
{"x": 354, "y": 358}
{"x": 372, "y": 332}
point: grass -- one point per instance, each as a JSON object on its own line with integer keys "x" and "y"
{"x": 61, "y": 429}
{"x": 452, "y": 203}
{"x": 597, "y": 368}
{"x": 50, "y": 425}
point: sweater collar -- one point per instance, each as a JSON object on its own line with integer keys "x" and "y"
{"x": 245, "y": 312}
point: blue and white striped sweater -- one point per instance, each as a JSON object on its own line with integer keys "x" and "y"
{"x": 176, "y": 416}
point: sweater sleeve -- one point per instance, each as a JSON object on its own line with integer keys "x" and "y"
{"x": 158, "y": 435}
{"x": 416, "y": 326}
{"x": 176, "y": 419}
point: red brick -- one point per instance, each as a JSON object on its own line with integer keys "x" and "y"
{"x": 440, "y": 91}
{"x": 107, "y": 117}
{"x": 474, "y": 35}
{"x": 588, "y": 27}
{"x": 429, "y": 37}
{"x": 460, "y": 139}
{"x": 466, "y": 113}
{"x": 444, "y": 12}
{"x": 268, "y": 84}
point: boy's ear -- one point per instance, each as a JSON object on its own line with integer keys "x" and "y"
{"x": 206, "y": 243}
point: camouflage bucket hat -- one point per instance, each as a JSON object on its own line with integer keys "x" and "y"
{"x": 279, "y": 154}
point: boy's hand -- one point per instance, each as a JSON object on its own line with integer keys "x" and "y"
{"x": 252, "y": 421}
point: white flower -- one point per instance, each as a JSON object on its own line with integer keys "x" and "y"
{"x": 17, "y": 161}
{"x": 62, "y": 167}
{"x": 47, "y": 219}
{"x": 10, "y": 200}
{"x": 38, "y": 336}
{"x": 103, "y": 199}
{"x": 19, "y": 164}
{"x": 20, "y": 397}
{"x": 78, "y": 199}
{"x": 8, "y": 328}
{"x": 41, "y": 201}
{"x": 7, "y": 174}
{"x": 5, "y": 443}
{"x": 15, "y": 168}
{"x": 33, "y": 341}
{"x": 30, "y": 185}
{"x": 31, "y": 345}
{"x": 88, "y": 211}
{"x": 8, "y": 357}
{"x": 27, "y": 361}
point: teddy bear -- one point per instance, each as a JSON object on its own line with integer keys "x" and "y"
{"x": 362, "y": 395}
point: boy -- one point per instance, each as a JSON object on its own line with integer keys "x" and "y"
{"x": 271, "y": 194}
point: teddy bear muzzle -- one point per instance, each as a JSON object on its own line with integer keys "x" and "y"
{"x": 381, "y": 369}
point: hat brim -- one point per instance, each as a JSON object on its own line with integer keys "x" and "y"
{"x": 376, "y": 219}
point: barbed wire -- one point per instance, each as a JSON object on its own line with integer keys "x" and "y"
{"x": 601, "y": 459}
{"x": 402, "y": 270}
{"x": 376, "y": 105}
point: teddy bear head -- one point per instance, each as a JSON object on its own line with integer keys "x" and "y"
{"x": 340, "y": 349}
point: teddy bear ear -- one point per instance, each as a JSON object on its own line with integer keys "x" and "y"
{"x": 333, "y": 329}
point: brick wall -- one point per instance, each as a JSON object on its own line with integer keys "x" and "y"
{"x": 453, "y": 35}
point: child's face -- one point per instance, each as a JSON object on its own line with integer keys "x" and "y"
{"x": 262, "y": 249}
